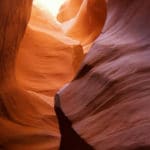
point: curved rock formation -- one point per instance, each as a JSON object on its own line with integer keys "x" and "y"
{"x": 53, "y": 58}
{"x": 27, "y": 119}
{"x": 69, "y": 10}
{"x": 105, "y": 107}
{"x": 108, "y": 101}
{"x": 85, "y": 20}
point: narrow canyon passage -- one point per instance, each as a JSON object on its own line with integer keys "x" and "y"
{"x": 74, "y": 75}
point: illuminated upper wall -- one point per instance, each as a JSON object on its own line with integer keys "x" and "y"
{"x": 50, "y": 5}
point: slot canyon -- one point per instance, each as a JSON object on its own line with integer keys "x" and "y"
{"x": 75, "y": 75}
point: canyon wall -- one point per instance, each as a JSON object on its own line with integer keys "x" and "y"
{"x": 27, "y": 119}
{"x": 83, "y": 20}
{"x": 107, "y": 103}
{"x": 47, "y": 59}
{"x": 104, "y": 57}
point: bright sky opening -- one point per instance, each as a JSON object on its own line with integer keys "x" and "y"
{"x": 50, "y": 5}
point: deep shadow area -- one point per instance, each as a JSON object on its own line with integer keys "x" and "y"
{"x": 70, "y": 140}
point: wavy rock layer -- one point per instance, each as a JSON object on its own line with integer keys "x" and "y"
{"x": 27, "y": 119}
{"x": 47, "y": 59}
{"x": 83, "y": 19}
{"x": 108, "y": 101}
{"x": 69, "y": 10}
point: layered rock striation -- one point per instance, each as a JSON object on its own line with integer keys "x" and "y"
{"x": 107, "y": 103}
{"x": 27, "y": 119}
{"x": 105, "y": 106}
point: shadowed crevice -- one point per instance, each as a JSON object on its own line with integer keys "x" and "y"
{"x": 83, "y": 71}
{"x": 70, "y": 140}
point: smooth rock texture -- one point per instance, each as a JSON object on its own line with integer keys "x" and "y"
{"x": 47, "y": 59}
{"x": 108, "y": 100}
{"x": 69, "y": 10}
{"x": 27, "y": 119}
{"x": 105, "y": 106}
{"x": 83, "y": 20}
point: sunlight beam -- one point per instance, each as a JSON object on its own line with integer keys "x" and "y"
{"x": 50, "y": 5}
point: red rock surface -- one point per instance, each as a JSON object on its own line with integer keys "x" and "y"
{"x": 106, "y": 106}
{"x": 108, "y": 101}
{"x": 27, "y": 119}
